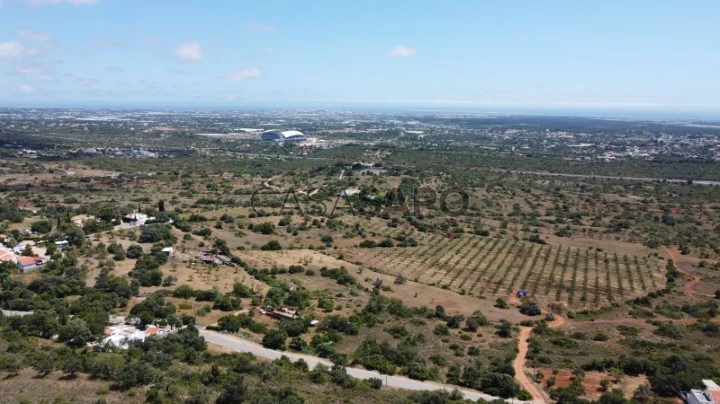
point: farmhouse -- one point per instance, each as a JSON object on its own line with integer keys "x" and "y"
{"x": 207, "y": 259}
{"x": 710, "y": 395}
{"x": 135, "y": 219}
{"x": 27, "y": 264}
{"x": 120, "y": 336}
{"x": 283, "y": 314}
{"x": 7, "y": 254}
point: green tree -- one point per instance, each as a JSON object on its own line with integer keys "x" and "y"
{"x": 272, "y": 245}
{"x": 41, "y": 226}
{"x": 44, "y": 366}
{"x": 235, "y": 391}
{"x": 75, "y": 332}
{"x": 275, "y": 339}
{"x": 134, "y": 373}
{"x": 134, "y": 251}
{"x": 505, "y": 329}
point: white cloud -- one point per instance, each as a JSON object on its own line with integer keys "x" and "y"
{"x": 260, "y": 26}
{"x": 269, "y": 50}
{"x": 43, "y": 71}
{"x": 401, "y": 51}
{"x": 189, "y": 52}
{"x": 244, "y": 74}
{"x": 106, "y": 42}
{"x": 84, "y": 82}
{"x": 35, "y": 35}
{"x": 73, "y": 2}
{"x": 11, "y": 50}
{"x": 26, "y": 89}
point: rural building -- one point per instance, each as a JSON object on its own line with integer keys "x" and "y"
{"x": 136, "y": 219}
{"x": 207, "y": 259}
{"x": 61, "y": 245}
{"x": 349, "y": 192}
{"x": 27, "y": 264}
{"x": 168, "y": 251}
{"x": 225, "y": 260}
{"x": 7, "y": 254}
{"x": 79, "y": 220}
{"x": 710, "y": 395}
{"x": 283, "y": 314}
{"x": 121, "y": 335}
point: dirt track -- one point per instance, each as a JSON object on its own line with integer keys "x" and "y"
{"x": 525, "y": 332}
{"x": 689, "y": 288}
{"x": 519, "y": 362}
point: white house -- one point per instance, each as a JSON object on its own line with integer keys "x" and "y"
{"x": 711, "y": 394}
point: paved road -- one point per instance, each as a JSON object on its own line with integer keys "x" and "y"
{"x": 607, "y": 177}
{"x": 239, "y": 344}
{"x": 15, "y": 313}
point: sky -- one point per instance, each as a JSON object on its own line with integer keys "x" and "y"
{"x": 486, "y": 55}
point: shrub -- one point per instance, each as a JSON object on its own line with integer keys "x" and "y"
{"x": 374, "y": 383}
{"x": 275, "y": 339}
{"x": 272, "y": 245}
{"x": 530, "y": 309}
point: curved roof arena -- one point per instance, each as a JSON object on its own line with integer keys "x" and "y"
{"x": 282, "y": 136}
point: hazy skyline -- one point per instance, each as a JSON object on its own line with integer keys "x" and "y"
{"x": 493, "y": 55}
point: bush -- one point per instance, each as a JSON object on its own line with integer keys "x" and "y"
{"x": 530, "y": 309}
{"x": 263, "y": 228}
{"x": 134, "y": 251}
{"x": 501, "y": 303}
{"x": 275, "y": 339}
{"x": 368, "y": 244}
{"x": 241, "y": 290}
{"x": 41, "y": 226}
{"x": 387, "y": 243}
{"x": 505, "y": 329}
{"x": 441, "y": 329}
{"x": 272, "y": 245}
{"x": 374, "y": 383}
{"x": 155, "y": 233}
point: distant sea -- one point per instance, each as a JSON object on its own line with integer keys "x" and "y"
{"x": 631, "y": 113}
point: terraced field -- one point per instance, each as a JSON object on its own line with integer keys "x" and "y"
{"x": 492, "y": 266}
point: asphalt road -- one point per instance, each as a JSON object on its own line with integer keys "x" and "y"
{"x": 15, "y": 313}
{"x": 608, "y": 177}
{"x": 400, "y": 382}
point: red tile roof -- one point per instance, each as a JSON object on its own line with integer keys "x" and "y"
{"x": 25, "y": 261}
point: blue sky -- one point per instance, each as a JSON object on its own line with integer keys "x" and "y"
{"x": 482, "y": 54}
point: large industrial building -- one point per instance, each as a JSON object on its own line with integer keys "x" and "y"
{"x": 282, "y": 136}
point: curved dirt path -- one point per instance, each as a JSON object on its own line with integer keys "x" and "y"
{"x": 525, "y": 332}
{"x": 519, "y": 362}
{"x": 689, "y": 287}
